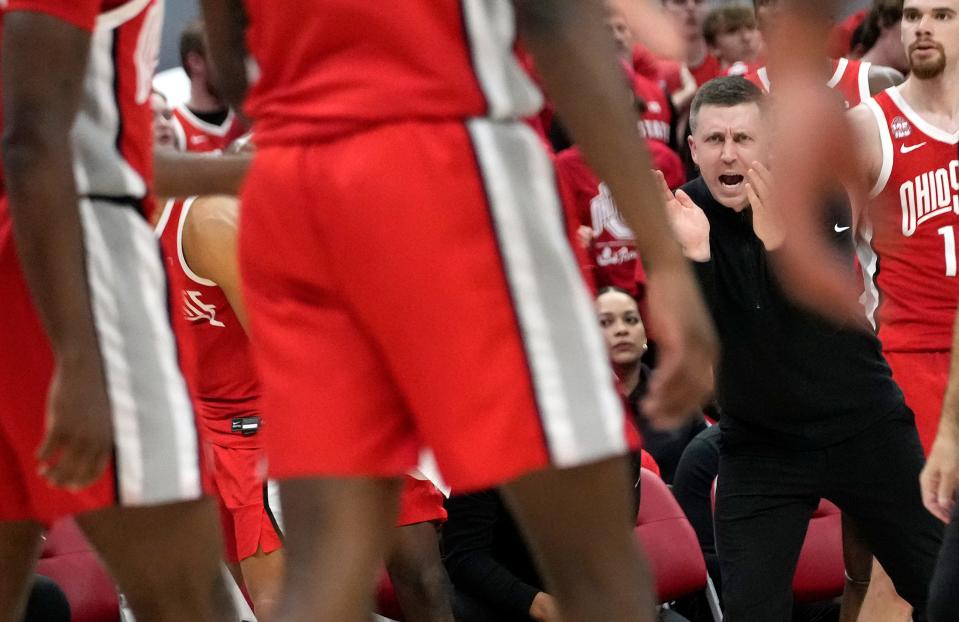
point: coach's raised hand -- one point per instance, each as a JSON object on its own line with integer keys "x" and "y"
{"x": 688, "y": 221}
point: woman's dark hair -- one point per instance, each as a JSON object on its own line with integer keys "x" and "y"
{"x": 612, "y": 288}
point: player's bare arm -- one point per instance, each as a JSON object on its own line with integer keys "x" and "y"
{"x": 575, "y": 56}
{"x": 178, "y": 174}
{"x": 940, "y": 477}
{"x": 225, "y": 29}
{"x": 868, "y": 145}
{"x": 209, "y": 246}
{"x": 39, "y": 110}
{"x": 688, "y": 221}
{"x": 881, "y": 78}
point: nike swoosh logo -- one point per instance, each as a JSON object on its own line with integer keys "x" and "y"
{"x": 839, "y": 229}
{"x": 904, "y": 149}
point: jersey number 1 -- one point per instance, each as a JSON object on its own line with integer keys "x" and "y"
{"x": 949, "y": 237}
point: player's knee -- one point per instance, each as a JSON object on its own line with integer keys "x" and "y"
{"x": 424, "y": 580}
{"x": 427, "y": 581}
{"x": 162, "y": 595}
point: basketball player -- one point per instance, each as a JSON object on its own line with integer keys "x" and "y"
{"x": 423, "y": 127}
{"x": 204, "y": 122}
{"x": 914, "y": 157}
{"x": 198, "y": 238}
{"x": 910, "y": 292}
{"x": 95, "y": 421}
{"x": 908, "y": 137}
{"x": 854, "y": 80}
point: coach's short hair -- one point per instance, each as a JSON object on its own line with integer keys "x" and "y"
{"x": 725, "y": 92}
{"x": 192, "y": 41}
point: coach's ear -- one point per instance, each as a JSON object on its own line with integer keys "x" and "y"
{"x": 692, "y": 149}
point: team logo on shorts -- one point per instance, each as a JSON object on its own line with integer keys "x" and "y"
{"x": 901, "y": 128}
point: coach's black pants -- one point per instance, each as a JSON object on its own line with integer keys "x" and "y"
{"x": 766, "y": 496}
{"x": 944, "y": 593}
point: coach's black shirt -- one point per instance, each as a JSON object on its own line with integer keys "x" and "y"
{"x": 785, "y": 375}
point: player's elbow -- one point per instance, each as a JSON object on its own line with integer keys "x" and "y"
{"x": 543, "y": 16}
{"x": 24, "y": 145}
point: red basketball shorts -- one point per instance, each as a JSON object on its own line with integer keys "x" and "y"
{"x": 420, "y": 502}
{"x": 240, "y": 490}
{"x": 155, "y": 445}
{"x": 413, "y": 286}
{"x": 922, "y": 376}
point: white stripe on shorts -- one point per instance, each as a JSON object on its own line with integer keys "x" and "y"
{"x": 581, "y": 414}
{"x": 491, "y": 31}
{"x": 157, "y": 458}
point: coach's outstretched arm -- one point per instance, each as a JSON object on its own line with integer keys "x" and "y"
{"x": 39, "y": 109}
{"x": 575, "y": 57}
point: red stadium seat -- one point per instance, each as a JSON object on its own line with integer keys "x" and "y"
{"x": 670, "y": 544}
{"x": 821, "y": 570}
{"x": 386, "y": 601}
{"x": 820, "y": 573}
{"x": 67, "y": 558}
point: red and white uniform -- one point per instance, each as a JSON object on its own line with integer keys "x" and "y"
{"x": 908, "y": 253}
{"x": 195, "y": 134}
{"x": 376, "y": 226}
{"x": 218, "y": 366}
{"x": 156, "y": 450}
{"x": 850, "y": 78}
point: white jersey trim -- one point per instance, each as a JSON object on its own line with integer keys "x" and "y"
{"x": 193, "y": 276}
{"x": 864, "y": 91}
{"x": 888, "y": 153}
{"x": 121, "y": 14}
{"x": 216, "y": 130}
{"x": 164, "y": 217}
{"x": 926, "y": 127}
{"x": 763, "y": 74}
{"x": 841, "y": 65}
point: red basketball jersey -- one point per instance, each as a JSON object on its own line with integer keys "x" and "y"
{"x": 195, "y": 134}
{"x": 850, "y": 78}
{"x": 908, "y": 236}
{"x": 214, "y": 349}
{"x": 334, "y": 67}
{"x": 113, "y": 132}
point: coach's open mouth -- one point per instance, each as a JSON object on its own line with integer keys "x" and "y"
{"x": 731, "y": 181}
